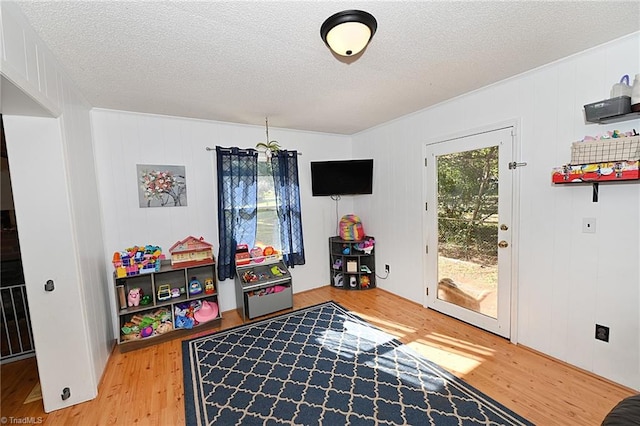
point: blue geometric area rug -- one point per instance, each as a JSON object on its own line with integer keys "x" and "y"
{"x": 323, "y": 365}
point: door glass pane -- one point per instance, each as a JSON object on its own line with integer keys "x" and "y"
{"x": 468, "y": 229}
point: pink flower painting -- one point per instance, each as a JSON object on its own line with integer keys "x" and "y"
{"x": 161, "y": 186}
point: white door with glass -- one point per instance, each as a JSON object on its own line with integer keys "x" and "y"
{"x": 468, "y": 225}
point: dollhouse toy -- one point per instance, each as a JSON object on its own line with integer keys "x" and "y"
{"x": 191, "y": 251}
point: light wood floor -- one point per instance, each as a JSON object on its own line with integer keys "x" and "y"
{"x": 145, "y": 386}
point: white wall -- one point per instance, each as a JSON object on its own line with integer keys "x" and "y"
{"x": 568, "y": 281}
{"x": 58, "y": 215}
{"x": 123, "y": 140}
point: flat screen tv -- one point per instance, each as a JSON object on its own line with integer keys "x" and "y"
{"x": 347, "y": 177}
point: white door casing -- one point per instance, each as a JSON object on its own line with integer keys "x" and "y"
{"x": 504, "y": 137}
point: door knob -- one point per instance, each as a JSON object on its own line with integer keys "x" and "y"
{"x": 503, "y": 244}
{"x": 504, "y": 227}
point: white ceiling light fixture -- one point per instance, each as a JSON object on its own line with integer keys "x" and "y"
{"x": 348, "y": 32}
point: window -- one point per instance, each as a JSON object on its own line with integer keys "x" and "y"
{"x": 268, "y": 231}
{"x": 277, "y": 208}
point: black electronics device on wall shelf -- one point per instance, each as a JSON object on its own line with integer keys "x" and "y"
{"x": 346, "y": 177}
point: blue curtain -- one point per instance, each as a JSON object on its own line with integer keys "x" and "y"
{"x": 285, "y": 178}
{"x": 237, "y": 204}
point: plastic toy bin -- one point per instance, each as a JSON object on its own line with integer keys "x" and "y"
{"x": 607, "y": 108}
{"x": 258, "y": 305}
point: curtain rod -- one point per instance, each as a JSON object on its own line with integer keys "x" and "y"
{"x": 259, "y": 152}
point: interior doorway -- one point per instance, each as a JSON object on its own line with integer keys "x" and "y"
{"x": 469, "y": 187}
{"x": 15, "y": 324}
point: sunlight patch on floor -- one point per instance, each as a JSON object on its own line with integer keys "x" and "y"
{"x": 34, "y": 395}
{"x": 395, "y": 328}
{"x": 455, "y": 362}
{"x": 456, "y": 355}
{"x": 463, "y": 345}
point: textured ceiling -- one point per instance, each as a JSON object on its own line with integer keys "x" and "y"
{"x": 240, "y": 61}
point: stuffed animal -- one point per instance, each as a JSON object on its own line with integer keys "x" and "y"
{"x": 366, "y": 246}
{"x": 184, "y": 317}
{"x": 134, "y": 297}
{"x": 164, "y": 327}
{"x": 131, "y": 336}
{"x": 365, "y": 282}
{"x": 146, "y": 332}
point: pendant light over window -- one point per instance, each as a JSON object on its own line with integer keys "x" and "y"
{"x": 348, "y": 32}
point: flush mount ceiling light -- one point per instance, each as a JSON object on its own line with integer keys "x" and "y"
{"x": 349, "y": 31}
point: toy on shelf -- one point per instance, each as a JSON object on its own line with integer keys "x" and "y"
{"x": 164, "y": 292}
{"x": 257, "y": 255}
{"x": 133, "y": 298}
{"x": 146, "y": 331}
{"x": 208, "y": 286}
{"x": 191, "y": 251}
{"x": 269, "y": 290}
{"x": 276, "y": 289}
{"x": 249, "y": 276}
{"x": 337, "y": 264}
{"x": 194, "y": 286}
{"x": 268, "y": 251}
{"x": 175, "y": 292}
{"x": 164, "y": 327}
{"x": 364, "y": 281}
{"x": 276, "y": 271}
{"x": 242, "y": 254}
{"x": 353, "y": 282}
{"x": 351, "y": 228}
{"x": 597, "y": 172}
{"x": 185, "y": 314}
{"x": 366, "y": 246}
{"x": 147, "y": 325}
{"x": 137, "y": 260}
{"x": 145, "y": 299}
{"x": 207, "y": 312}
{"x": 338, "y": 280}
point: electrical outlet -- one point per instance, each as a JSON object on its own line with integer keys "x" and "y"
{"x": 589, "y": 225}
{"x": 386, "y": 268}
{"x": 602, "y": 332}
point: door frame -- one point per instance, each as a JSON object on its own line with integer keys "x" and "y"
{"x": 515, "y": 212}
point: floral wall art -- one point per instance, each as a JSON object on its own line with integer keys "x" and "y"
{"x": 161, "y": 186}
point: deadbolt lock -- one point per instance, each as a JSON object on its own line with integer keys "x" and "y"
{"x": 504, "y": 227}
{"x": 503, "y": 244}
